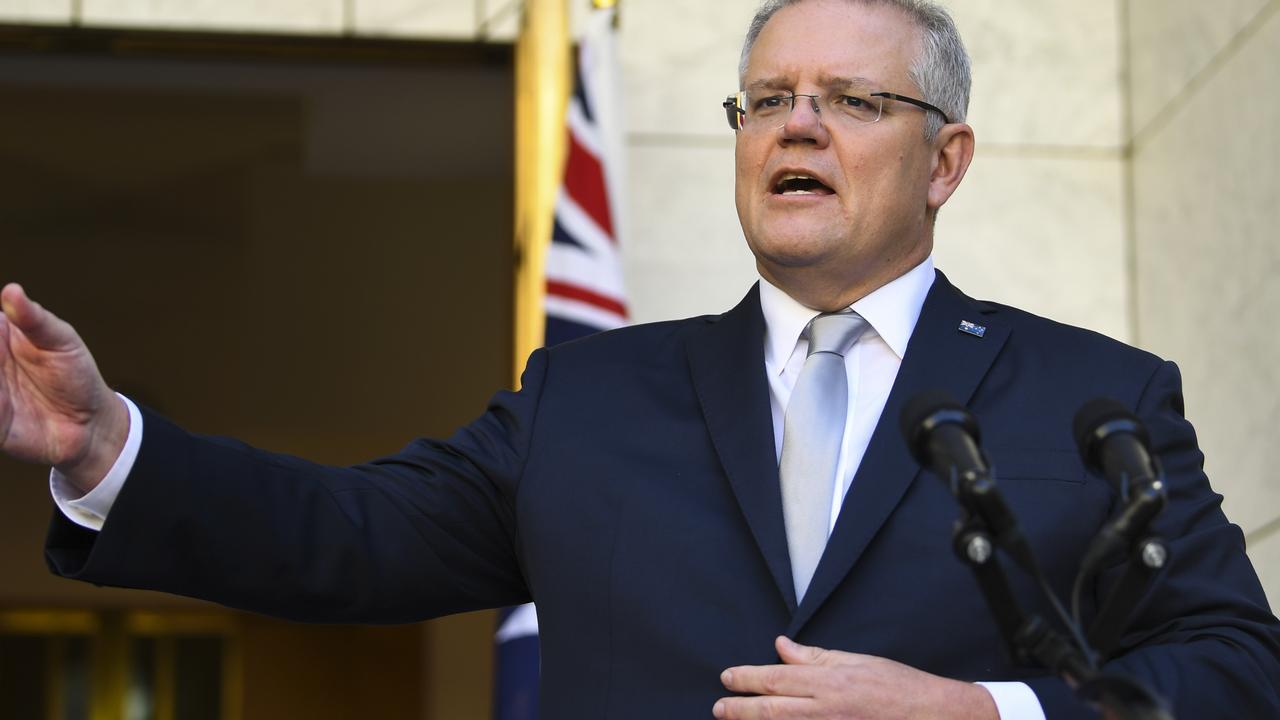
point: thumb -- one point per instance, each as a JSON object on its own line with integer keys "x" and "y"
{"x": 793, "y": 653}
{"x": 40, "y": 326}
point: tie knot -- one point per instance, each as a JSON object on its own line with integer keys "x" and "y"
{"x": 835, "y": 332}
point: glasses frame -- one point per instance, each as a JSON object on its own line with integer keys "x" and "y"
{"x": 737, "y": 115}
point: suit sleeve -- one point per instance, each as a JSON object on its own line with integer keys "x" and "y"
{"x": 425, "y": 532}
{"x": 1203, "y": 636}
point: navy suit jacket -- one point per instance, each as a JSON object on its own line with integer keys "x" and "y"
{"x": 630, "y": 488}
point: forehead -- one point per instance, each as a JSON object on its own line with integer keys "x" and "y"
{"x": 835, "y": 38}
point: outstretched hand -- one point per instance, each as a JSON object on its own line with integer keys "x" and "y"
{"x": 817, "y": 683}
{"x": 55, "y": 408}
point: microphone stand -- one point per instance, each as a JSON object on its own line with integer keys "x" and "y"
{"x": 1148, "y": 554}
{"x": 1028, "y": 638}
{"x": 1147, "y": 557}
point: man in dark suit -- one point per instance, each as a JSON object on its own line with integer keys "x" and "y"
{"x": 633, "y": 485}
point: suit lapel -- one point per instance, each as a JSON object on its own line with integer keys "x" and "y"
{"x": 938, "y": 357}
{"x": 726, "y": 359}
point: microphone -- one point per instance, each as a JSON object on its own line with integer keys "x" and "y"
{"x": 943, "y": 437}
{"x": 1115, "y": 444}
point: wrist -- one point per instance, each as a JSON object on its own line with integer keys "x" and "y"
{"x": 978, "y": 702}
{"x": 106, "y": 440}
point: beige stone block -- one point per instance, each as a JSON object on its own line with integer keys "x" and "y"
{"x": 1170, "y": 41}
{"x": 679, "y": 61}
{"x": 431, "y": 19}
{"x": 272, "y": 16}
{"x": 578, "y": 14}
{"x": 501, "y": 21}
{"x": 1044, "y": 233}
{"x": 1264, "y": 552}
{"x": 1206, "y": 218}
{"x": 35, "y": 11}
{"x": 1045, "y": 72}
{"x": 685, "y": 254}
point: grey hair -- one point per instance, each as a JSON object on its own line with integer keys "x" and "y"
{"x": 941, "y": 70}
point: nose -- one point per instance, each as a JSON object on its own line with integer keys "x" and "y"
{"x": 804, "y": 122}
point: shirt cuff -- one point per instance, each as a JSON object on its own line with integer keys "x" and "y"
{"x": 90, "y": 510}
{"x": 1014, "y": 700}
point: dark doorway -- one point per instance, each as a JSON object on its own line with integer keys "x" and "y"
{"x": 304, "y": 243}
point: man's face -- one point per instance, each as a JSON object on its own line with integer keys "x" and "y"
{"x": 871, "y": 221}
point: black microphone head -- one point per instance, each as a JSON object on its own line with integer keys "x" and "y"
{"x": 926, "y": 411}
{"x": 1097, "y": 420}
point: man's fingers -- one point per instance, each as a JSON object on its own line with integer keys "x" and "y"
{"x": 40, "y": 326}
{"x": 763, "y": 708}
{"x": 25, "y": 313}
{"x": 12, "y": 298}
{"x": 793, "y": 653}
{"x": 791, "y": 680}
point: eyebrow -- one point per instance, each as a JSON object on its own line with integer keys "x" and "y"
{"x": 827, "y": 82}
{"x": 768, "y": 84}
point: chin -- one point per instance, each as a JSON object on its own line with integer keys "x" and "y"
{"x": 796, "y": 248}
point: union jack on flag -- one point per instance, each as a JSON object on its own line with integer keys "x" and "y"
{"x": 584, "y": 293}
{"x": 584, "y": 264}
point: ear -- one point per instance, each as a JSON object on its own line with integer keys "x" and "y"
{"x": 953, "y": 151}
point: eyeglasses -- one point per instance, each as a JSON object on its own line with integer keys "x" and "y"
{"x": 760, "y": 112}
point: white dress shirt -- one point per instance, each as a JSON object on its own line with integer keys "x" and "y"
{"x": 872, "y": 366}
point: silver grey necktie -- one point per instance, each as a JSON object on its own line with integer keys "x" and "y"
{"x": 813, "y": 429}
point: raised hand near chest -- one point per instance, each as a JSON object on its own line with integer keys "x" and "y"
{"x": 813, "y": 683}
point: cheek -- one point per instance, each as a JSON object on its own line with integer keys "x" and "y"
{"x": 879, "y": 179}
{"x": 749, "y": 174}
{"x": 747, "y": 180}
{"x": 749, "y": 159}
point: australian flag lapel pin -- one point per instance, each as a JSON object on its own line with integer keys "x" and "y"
{"x": 973, "y": 329}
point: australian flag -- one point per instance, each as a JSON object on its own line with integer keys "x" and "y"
{"x": 584, "y": 265}
{"x": 584, "y": 292}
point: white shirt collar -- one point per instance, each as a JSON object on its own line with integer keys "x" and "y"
{"x": 892, "y": 311}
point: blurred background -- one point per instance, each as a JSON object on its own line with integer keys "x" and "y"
{"x": 273, "y": 218}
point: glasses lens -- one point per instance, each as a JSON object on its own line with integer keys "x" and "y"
{"x": 856, "y": 109}
{"x": 766, "y": 111}
{"x": 770, "y": 111}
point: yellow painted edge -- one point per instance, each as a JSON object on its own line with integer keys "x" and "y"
{"x": 49, "y": 622}
{"x": 146, "y": 623}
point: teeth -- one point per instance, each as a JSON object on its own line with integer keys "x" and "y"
{"x": 782, "y": 185}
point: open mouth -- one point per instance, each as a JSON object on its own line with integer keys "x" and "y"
{"x": 797, "y": 184}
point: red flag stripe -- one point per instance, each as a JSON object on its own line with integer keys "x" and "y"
{"x": 581, "y": 294}
{"x": 584, "y": 181}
